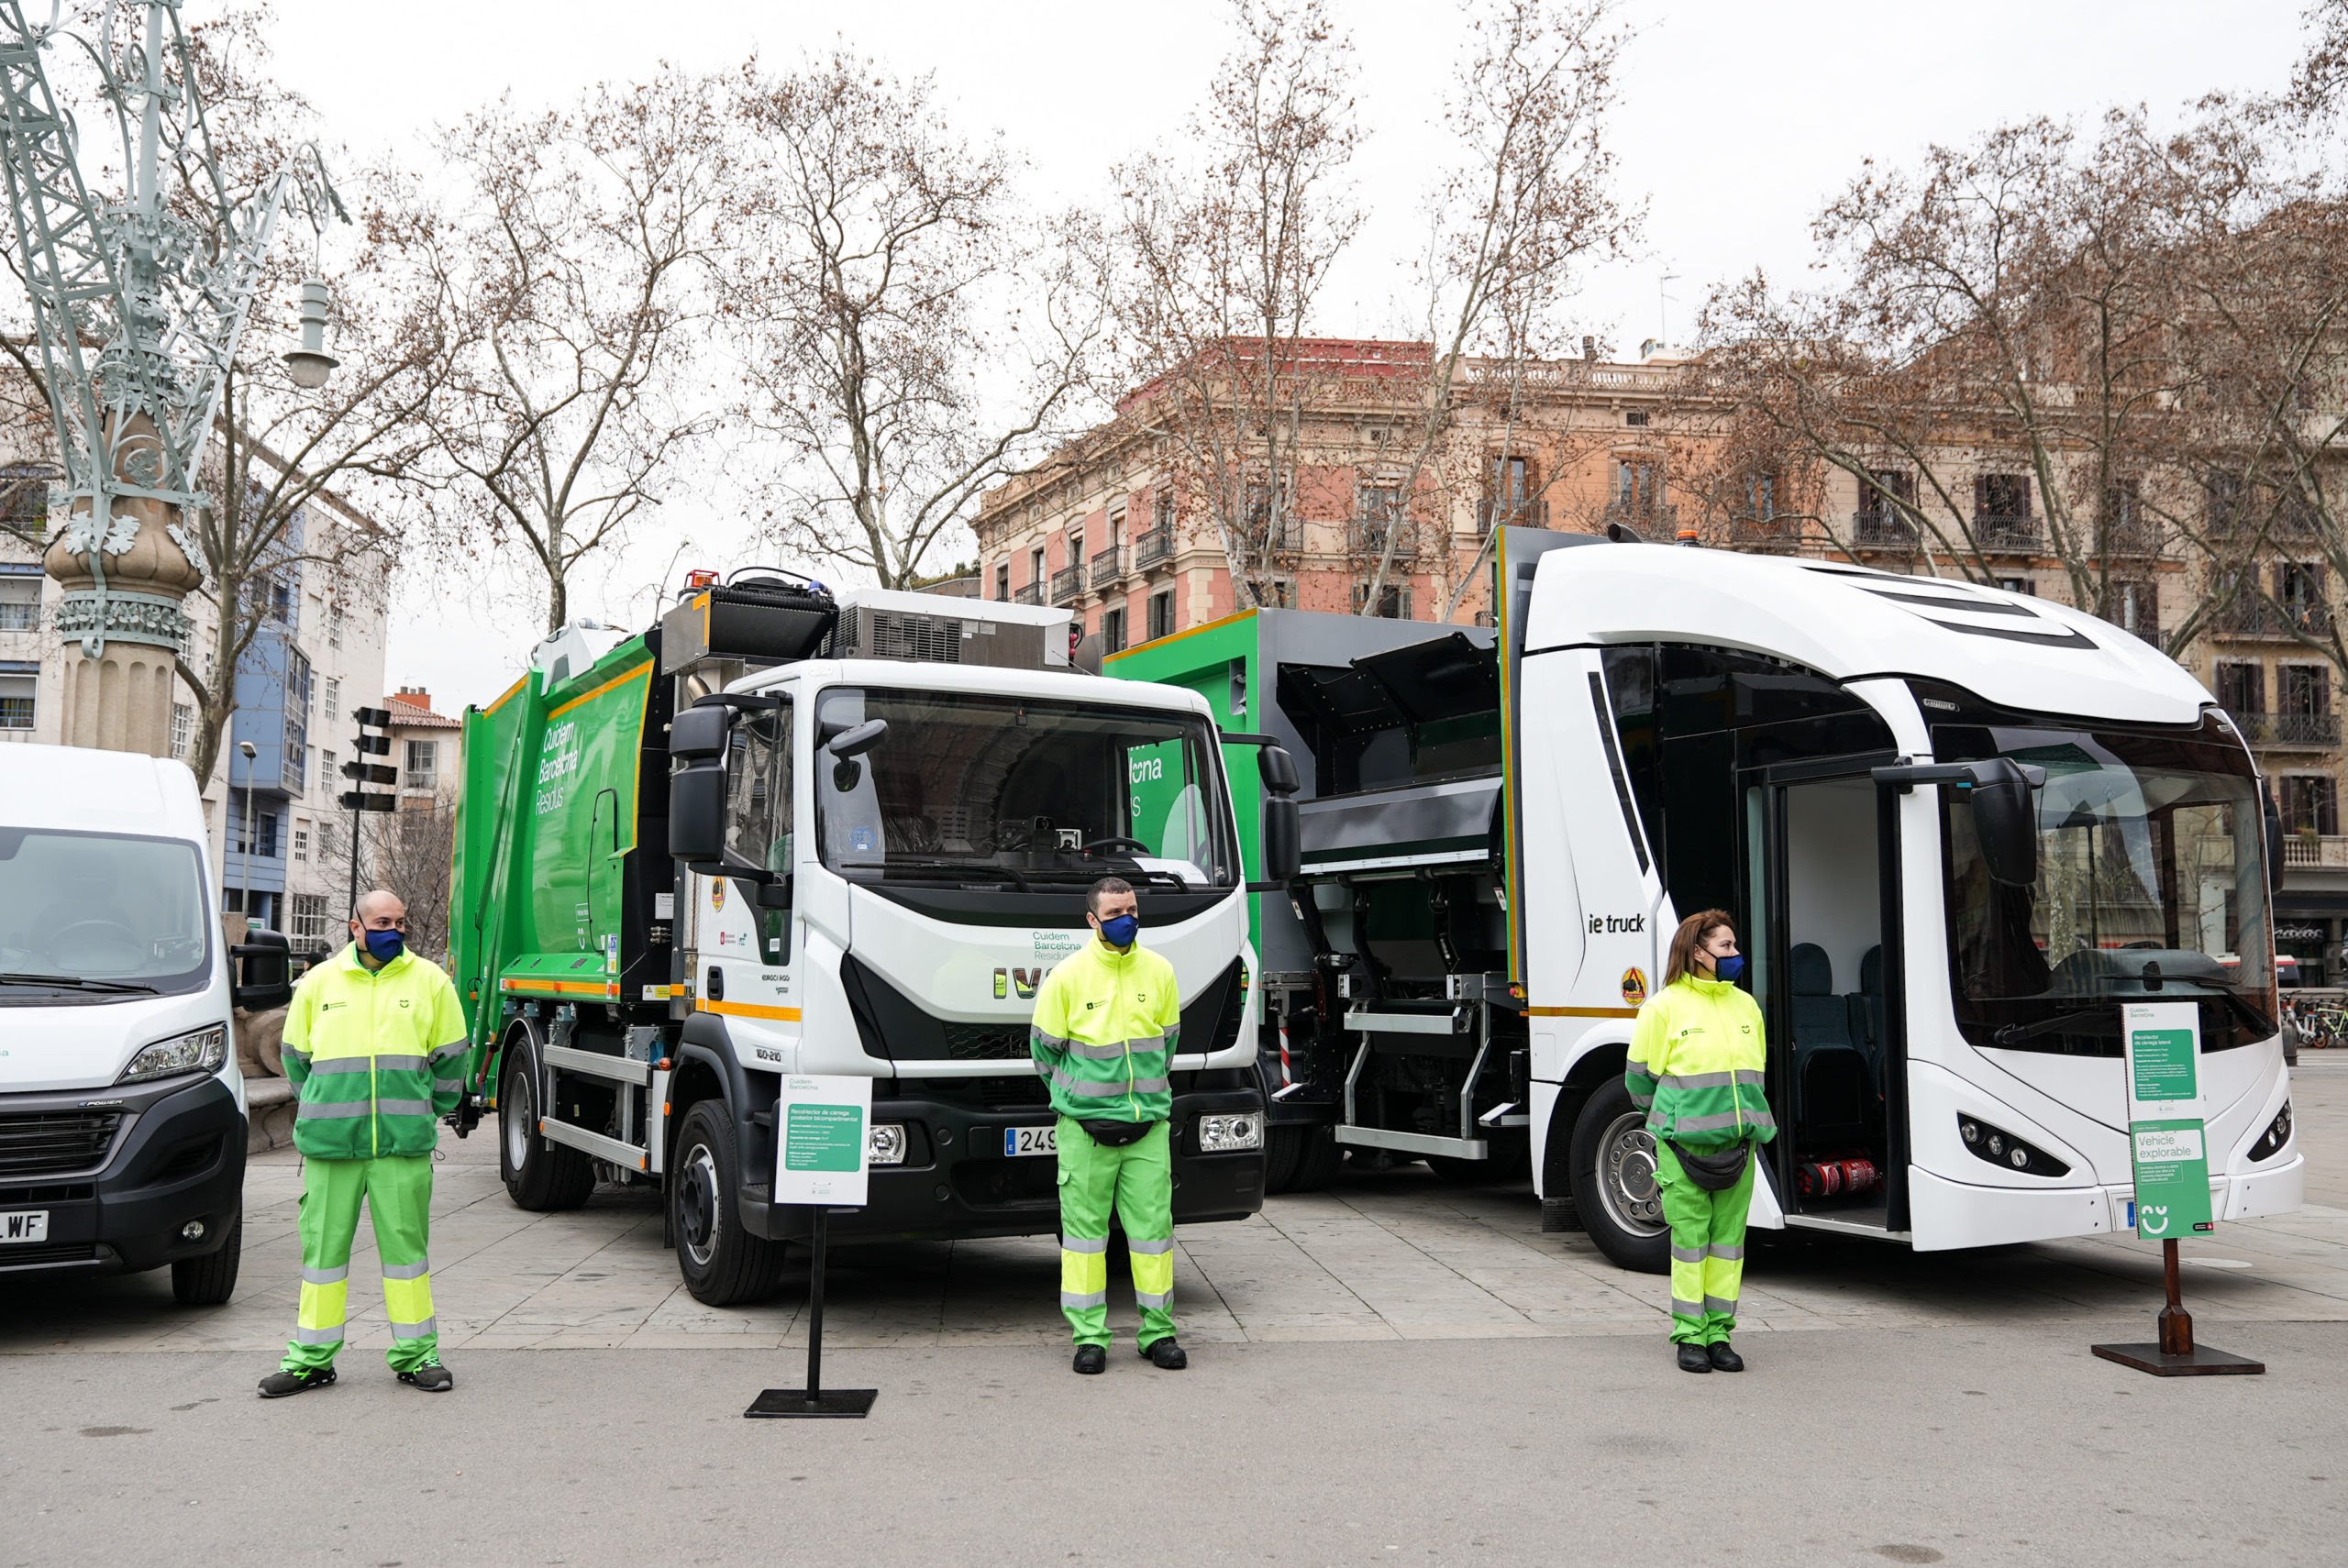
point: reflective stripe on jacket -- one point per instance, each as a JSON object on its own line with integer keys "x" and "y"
{"x": 1695, "y": 1066}
{"x": 1104, "y": 1033}
{"x": 377, "y": 1056}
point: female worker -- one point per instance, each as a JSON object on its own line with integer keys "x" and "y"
{"x": 1695, "y": 1068}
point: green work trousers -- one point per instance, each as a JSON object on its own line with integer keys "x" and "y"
{"x": 1707, "y": 1250}
{"x": 398, "y": 1192}
{"x": 1138, "y": 1182}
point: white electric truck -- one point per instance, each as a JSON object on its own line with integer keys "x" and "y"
{"x": 1958, "y": 829}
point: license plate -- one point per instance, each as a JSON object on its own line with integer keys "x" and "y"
{"x": 1017, "y": 1141}
{"x": 32, "y": 1225}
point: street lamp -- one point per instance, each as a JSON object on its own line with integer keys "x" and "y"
{"x": 245, "y": 898}
{"x": 310, "y": 364}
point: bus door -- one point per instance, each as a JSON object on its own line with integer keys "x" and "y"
{"x": 1822, "y": 937}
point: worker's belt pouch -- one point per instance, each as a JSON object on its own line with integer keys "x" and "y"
{"x": 1716, "y": 1170}
{"x": 1116, "y": 1135}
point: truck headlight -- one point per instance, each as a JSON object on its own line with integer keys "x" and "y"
{"x": 885, "y": 1144}
{"x": 198, "y": 1051}
{"x": 1223, "y": 1134}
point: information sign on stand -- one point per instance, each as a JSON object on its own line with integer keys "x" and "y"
{"x": 821, "y": 1126}
{"x": 2168, "y": 1148}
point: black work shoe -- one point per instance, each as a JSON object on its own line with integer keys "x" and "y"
{"x": 1092, "y": 1360}
{"x": 1725, "y": 1359}
{"x": 1166, "y": 1355}
{"x": 1694, "y": 1358}
{"x": 432, "y": 1377}
{"x": 278, "y": 1384}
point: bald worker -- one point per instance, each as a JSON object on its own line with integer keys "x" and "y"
{"x": 374, "y": 1041}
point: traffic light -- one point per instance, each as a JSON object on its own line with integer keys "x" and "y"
{"x": 363, "y": 773}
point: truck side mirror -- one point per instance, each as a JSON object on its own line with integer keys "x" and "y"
{"x": 1280, "y": 839}
{"x": 1278, "y": 770}
{"x": 264, "y": 972}
{"x": 2005, "y": 820}
{"x": 698, "y": 734}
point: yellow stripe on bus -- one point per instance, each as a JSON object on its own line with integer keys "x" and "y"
{"x": 638, "y": 673}
{"x": 749, "y": 1009}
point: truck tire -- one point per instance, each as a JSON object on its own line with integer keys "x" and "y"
{"x": 210, "y": 1280}
{"x": 540, "y": 1176}
{"x": 1281, "y": 1157}
{"x": 1317, "y": 1165}
{"x": 722, "y": 1263}
{"x": 1615, "y": 1194}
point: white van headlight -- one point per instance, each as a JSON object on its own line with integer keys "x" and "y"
{"x": 198, "y": 1051}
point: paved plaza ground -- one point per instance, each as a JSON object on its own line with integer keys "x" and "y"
{"x": 1391, "y": 1370}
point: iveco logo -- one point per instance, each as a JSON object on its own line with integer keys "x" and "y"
{"x": 1024, "y": 981}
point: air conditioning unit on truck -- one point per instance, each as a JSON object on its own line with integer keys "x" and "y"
{"x": 1958, "y": 829}
{"x": 777, "y": 834}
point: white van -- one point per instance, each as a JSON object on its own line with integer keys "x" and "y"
{"x": 122, "y": 1111}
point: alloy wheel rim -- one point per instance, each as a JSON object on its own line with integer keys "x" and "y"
{"x": 1627, "y": 1184}
{"x": 697, "y": 1213}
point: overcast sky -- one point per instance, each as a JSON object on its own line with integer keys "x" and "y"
{"x": 1738, "y": 118}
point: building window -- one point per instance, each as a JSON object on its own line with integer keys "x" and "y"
{"x": 1113, "y": 629}
{"x": 301, "y": 840}
{"x": 1161, "y": 507}
{"x": 296, "y": 739}
{"x": 1761, "y": 497}
{"x": 2001, "y": 498}
{"x": 261, "y": 844}
{"x": 1161, "y": 613}
{"x": 423, "y": 764}
{"x": 307, "y": 917}
{"x": 333, "y": 700}
{"x": 19, "y": 600}
{"x": 1117, "y": 523}
{"x": 334, "y": 627}
{"x": 2241, "y": 686}
{"x": 327, "y": 774}
{"x": 1635, "y": 417}
{"x": 1393, "y": 601}
{"x": 2311, "y": 804}
{"x": 17, "y": 687}
{"x": 2018, "y": 585}
{"x": 1076, "y": 546}
{"x": 1002, "y": 583}
{"x": 280, "y": 603}
{"x": 24, "y": 495}
{"x": 1511, "y": 497}
{"x": 183, "y": 730}
{"x": 1638, "y": 486}
{"x": 1036, "y": 573}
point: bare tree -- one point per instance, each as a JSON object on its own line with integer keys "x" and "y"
{"x": 409, "y": 851}
{"x": 576, "y": 263}
{"x": 1531, "y": 197}
{"x": 910, "y": 335}
{"x": 1220, "y": 259}
{"x": 1999, "y": 375}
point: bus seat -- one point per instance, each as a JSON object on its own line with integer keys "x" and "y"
{"x": 1866, "y": 1005}
{"x": 1821, "y": 1018}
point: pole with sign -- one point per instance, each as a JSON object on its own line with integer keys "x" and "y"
{"x": 820, "y": 1125}
{"x": 2168, "y": 1146}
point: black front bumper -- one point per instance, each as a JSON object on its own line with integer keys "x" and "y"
{"x": 177, "y": 1155}
{"x": 957, "y": 1182}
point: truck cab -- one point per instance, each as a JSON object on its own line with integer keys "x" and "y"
{"x": 122, "y": 1111}
{"x": 784, "y": 835}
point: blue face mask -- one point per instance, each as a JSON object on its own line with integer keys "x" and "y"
{"x": 1121, "y": 932}
{"x": 1729, "y": 968}
{"x": 385, "y": 945}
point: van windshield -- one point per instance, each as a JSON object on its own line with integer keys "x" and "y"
{"x": 1023, "y": 793}
{"x": 110, "y": 913}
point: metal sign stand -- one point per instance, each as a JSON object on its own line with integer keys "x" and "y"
{"x": 2174, "y": 1355}
{"x": 814, "y": 1400}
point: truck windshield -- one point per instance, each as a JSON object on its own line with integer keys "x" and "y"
{"x": 90, "y": 915}
{"x": 2151, "y": 887}
{"x": 1017, "y": 792}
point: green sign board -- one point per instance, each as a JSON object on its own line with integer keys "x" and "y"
{"x": 2167, "y": 1142}
{"x": 822, "y": 1120}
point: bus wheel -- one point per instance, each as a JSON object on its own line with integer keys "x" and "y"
{"x": 722, "y": 1263}
{"x": 1616, "y": 1194}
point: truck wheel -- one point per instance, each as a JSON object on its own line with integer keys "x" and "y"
{"x": 1616, "y": 1196}
{"x": 1316, "y": 1165}
{"x": 540, "y": 1176}
{"x": 722, "y": 1263}
{"x": 1281, "y": 1157}
{"x": 210, "y": 1280}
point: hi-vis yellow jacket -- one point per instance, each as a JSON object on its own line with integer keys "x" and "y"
{"x": 1695, "y": 1066}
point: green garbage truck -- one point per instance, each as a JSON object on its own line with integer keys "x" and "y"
{"x": 782, "y": 831}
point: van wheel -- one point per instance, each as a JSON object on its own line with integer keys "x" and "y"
{"x": 210, "y": 1280}
{"x": 722, "y": 1263}
{"x": 540, "y": 1176}
{"x": 1616, "y": 1196}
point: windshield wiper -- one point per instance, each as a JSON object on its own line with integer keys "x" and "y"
{"x": 958, "y": 867}
{"x": 75, "y": 983}
{"x": 2014, "y": 1033}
